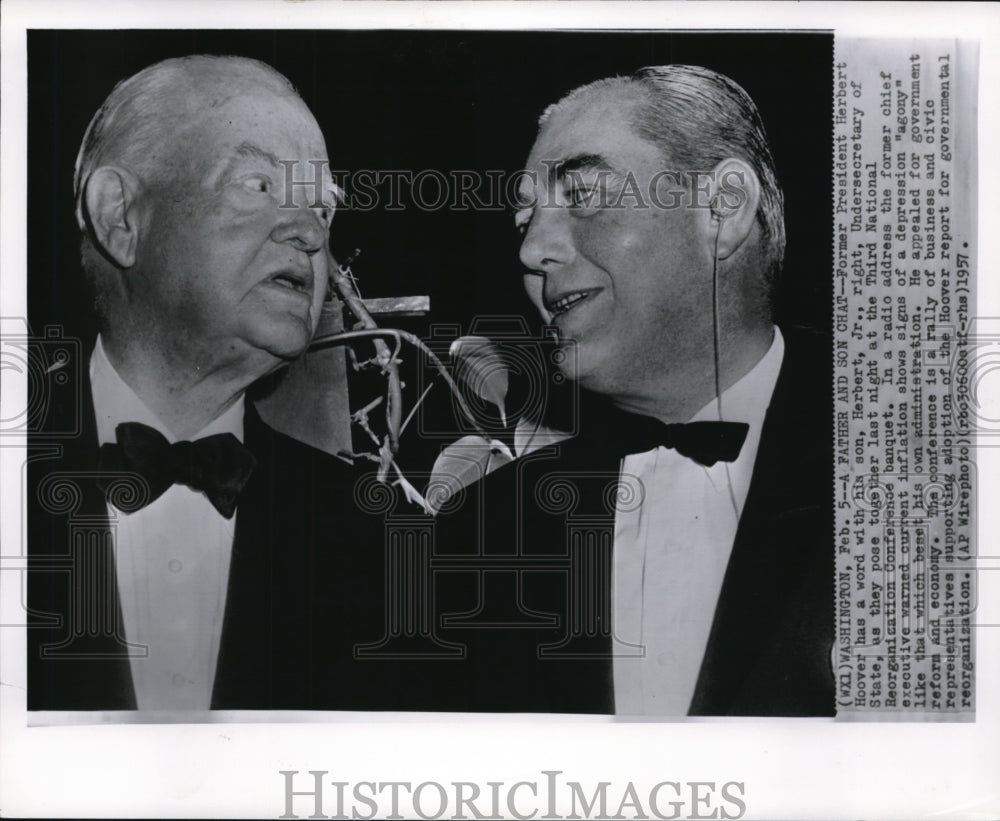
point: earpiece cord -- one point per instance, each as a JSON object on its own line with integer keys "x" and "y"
{"x": 715, "y": 357}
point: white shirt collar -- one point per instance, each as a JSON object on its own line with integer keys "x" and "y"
{"x": 748, "y": 399}
{"x": 115, "y": 402}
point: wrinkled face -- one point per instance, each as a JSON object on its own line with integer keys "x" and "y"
{"x": 626, "y": 276}
{"x": 231, "y": 263}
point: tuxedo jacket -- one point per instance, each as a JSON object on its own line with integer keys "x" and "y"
{"x": 305, "y": 579}
{"x": 341, "y": 598}
{"x": 540, "y": 638}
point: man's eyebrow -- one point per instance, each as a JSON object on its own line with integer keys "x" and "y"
{"x": 559, "y": 170}
{"x": 247, "y": 149}
{"x": 229, "y": 164}
{"x": 579, "y": 162}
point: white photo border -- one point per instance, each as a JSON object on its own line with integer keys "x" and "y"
{"x": 791, "y": 768}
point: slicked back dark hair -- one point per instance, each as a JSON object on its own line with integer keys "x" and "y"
{"x": 698, "y": 118}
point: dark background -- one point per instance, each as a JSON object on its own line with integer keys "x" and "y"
{"x": 432, "y": 100}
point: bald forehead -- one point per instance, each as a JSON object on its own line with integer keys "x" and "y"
{"x": 205, "y": 87}
{"x": 234, "y": 71}
{"x": 150, "y": 108}
{"x": 588, "y": 110}
{"x": 147, "y": 119}
{"x": 591, "y": 120}
{"x": 615, "y": 99}
{"x": 603, "y": 92}
{"x": 589, "y": 141}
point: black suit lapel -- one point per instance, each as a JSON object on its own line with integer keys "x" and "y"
{"x": 298, "y": 546}
{"x": 551, "y": 515}
{"x": 768, "y": 652}
{"x": 247, "y": 636}
{"x": 585, "y": 533}
{"x": 290, "y": 600}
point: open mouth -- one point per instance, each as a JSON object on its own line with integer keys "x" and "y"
{"x": 293, "y": 280}
{"x": 567, "y": 303}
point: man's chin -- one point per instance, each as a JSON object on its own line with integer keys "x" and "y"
{"x": 585, "y": 366}
{"x": 284, "y": 341}
{"x": 289, "y": 350}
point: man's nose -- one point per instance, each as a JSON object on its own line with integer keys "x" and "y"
{"x": 302, "y": 229}
{"x": 548, "y": 242}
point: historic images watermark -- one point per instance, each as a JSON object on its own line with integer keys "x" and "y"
{"x": 548, "y": 797}
{"x": 588, "y": 182}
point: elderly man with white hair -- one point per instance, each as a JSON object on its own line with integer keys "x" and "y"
{"x": 204, "y": 561}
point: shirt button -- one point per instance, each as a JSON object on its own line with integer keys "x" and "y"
{"x": 178, "y": 680}
{"x": 174, "y": 566}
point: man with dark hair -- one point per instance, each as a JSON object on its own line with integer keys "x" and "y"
{"x": 693, "y": 514}
{"x": 184, "y": 555}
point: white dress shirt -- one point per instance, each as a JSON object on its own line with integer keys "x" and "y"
{"x": 671, "y": 551}
{"x": 171, "y": 560}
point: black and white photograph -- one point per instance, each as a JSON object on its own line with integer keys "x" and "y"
{"x": 540, "y": 389}
{"x": 269, "y": 576}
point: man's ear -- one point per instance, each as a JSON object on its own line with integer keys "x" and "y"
{"x": 111, "y": 199}
{"x": 733, "y": 206}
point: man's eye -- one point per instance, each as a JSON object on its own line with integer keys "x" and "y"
{"x": 258, "y": 183}
{"x": 580, "y": 196}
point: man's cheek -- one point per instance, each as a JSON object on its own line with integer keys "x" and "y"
{"x": 608, "y": 233}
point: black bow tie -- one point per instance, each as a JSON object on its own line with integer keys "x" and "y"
{"x": 218, "y": 465}
{"x": 705, "y": 442}
{"x": 627, "y": 433}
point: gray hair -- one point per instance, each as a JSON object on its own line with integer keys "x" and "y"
{"x": 698, "y": 118}
{"x": 136, "y": 122}
{"x": 133, "y": 124}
